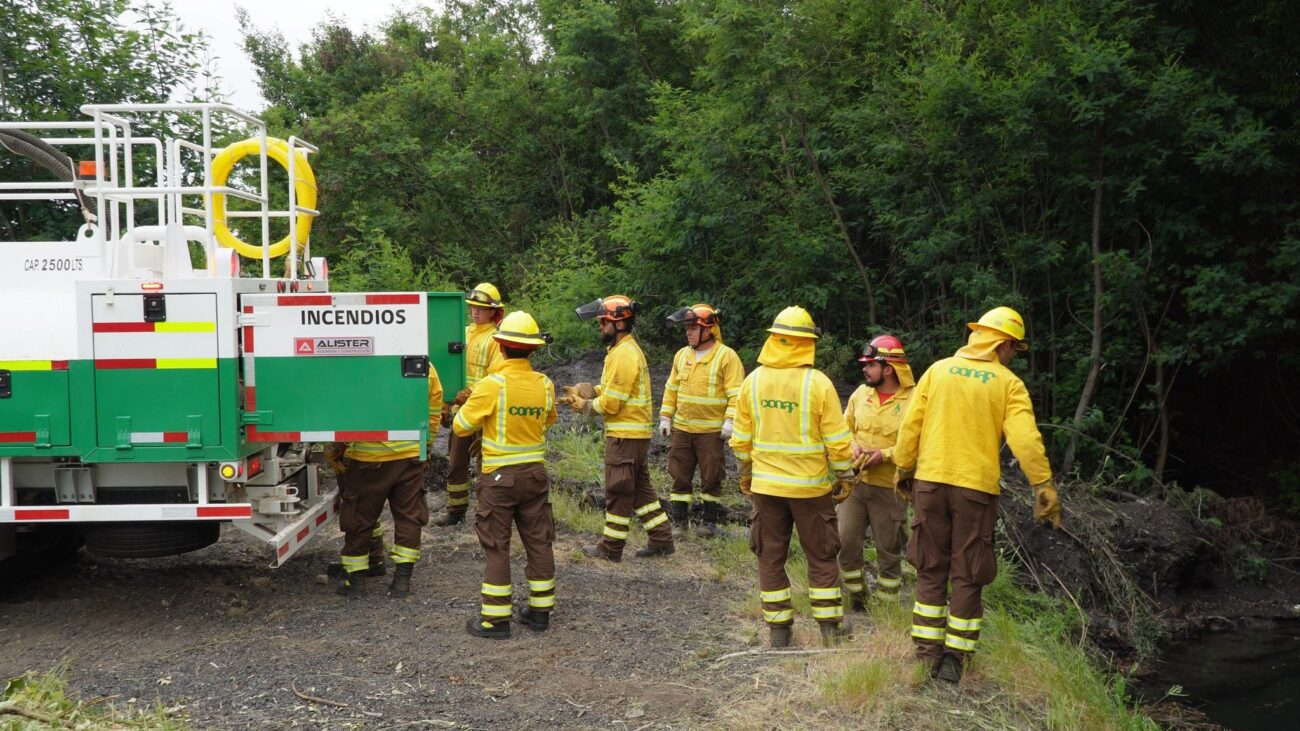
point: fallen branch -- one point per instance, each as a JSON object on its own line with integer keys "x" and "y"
{"x": 730, "y": 655}
{"x": 313, "y": 699}
{"x": 11, "y": 708}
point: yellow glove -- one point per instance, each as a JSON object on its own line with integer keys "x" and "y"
{"x": 860, "y": 461}
{"x": 461, "y": 397}
{"x": 746, "y": 476}
{"x": 903, "y": 484}
{"x": 579, "y": 404}
{"x": 582, "y": 390}
{"x": 1047, "y": 506}
{"x": 841, "y": 491}
{"x": 334, "y": 457}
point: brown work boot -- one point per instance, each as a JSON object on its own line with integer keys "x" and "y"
{"x": 834, "y": 634}
{"x": 401, "y": 585}
{"x": 948, "y": 669}
{"x": 352, "y": 585}
{"x": 449, "y": 518}
{"x": 479, "y": 628}
{"x": 654, "y": 551}
{"x": 778, "y": 635}
{"x": 598, "y": 551}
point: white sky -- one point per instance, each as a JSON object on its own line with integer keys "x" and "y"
{"x": 293, "y": 18}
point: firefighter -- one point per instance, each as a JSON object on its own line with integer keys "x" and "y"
{"x": 788, "y": 428}
{"x": 698, "y": 412}
{"x": 481, "y": 353}
{"x": 623, "y": 400}
{"x": 374, "y": 473}
{"x": 873, "y": 414}
{"x": 950, "y": 440}
{"x": 512, "y": 407}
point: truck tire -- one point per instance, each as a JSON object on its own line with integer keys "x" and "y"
{"x": 148, "y": 540}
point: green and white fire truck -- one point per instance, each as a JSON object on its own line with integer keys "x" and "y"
{"x": 149, "y": 390}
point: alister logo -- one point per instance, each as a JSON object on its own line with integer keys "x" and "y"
{"x": 535, "y": 411}
{"x": 786, "y": 406}
{"x": 983, "y": 376}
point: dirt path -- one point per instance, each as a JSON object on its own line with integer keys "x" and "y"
{"x": 228, "y": 638}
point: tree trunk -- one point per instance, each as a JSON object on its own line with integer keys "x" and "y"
{"x": 1094, "y": 355}
{"x": 1162, "y": 409}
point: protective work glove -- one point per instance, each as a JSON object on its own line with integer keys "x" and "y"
{"x": 841, "y": 491}
{"x": 580, "y": 405}
{"x": 1047, "y": 506}
{"x": 665, "y": 426}
{"x": 746, "y": 476}
{"x": 461, "y": 397}
{"x": 903, "y": 485}
{"x": 581, "y": 390}
{"x": 868, "y": 458}
{"x": 728, "y": 426}
{"x": 334, "y": 457}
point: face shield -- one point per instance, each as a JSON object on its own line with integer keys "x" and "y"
{"x": 591, "y": 310}
{"x": 684, "y": 316}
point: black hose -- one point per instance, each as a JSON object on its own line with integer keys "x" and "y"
{"x": 49, "y": 157}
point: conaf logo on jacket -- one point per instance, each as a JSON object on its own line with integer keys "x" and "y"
{"x": 536, "y": 411}
{"x": 984, "y": 376}
{"x": 786, "y": 406}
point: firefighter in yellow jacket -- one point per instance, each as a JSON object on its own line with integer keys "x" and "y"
{"x": 697, "y": 416}
{"x": 963, "y": 408}
{"x": 623, "y": 400}
{"x": 372, "y": 473}
{"x": 512, "y": 407}
{"x": 481, "y": 353}
{"x": 793, "y": 448}
{"x": 873, "y": 415}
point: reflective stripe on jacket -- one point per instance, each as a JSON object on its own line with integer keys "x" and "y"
{"x": 623, "y": 396}
{"x": 876, "y": 427}
{"x": 788, "y": 421}
{"x": 700, "y": 395}
{"x": 404, "y": 449}
{"x": 513, "y": 406}
{"x": 961, "y": 411}
{"x": 481, "y": 352}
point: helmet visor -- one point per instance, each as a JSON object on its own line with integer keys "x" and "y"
{"x": 591, "y": 310}
{"x": 481, "y": 298}
{"x": 684, "y": 316}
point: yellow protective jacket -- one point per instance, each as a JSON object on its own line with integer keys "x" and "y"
{"x": 962, "y": 409}
{"x": 876, "y": 427}
{"x": 389, "y": 451}
{"x": 788, "y": 422}
{"x": 513, "y": 406}
{"x": 481, "y": 352}
{"x": 700, "y": 395}
{"x": 623, "y": 396}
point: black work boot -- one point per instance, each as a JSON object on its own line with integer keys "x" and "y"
{"x": 401, "y": 585}
{"x": 450, "y": 518}
{"x": 352, "y": 585}
{"x": 680, "y": 513}
{"x": 778, "y": 635}
{"x": 535, "y": 621}
{"x": 654, "y": 551}
{"x": 859, "y": 600}
{"x": 709, "y": 528}
{"x": 834, "y": 634}
{"x": 597, "y": 551}
{"x": 948, "y": 669}
{"x": 335, "y": 570}
{"x": 479, "y": 628}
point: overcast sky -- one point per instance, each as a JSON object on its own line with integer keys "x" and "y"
{"x": 293, "y": 18}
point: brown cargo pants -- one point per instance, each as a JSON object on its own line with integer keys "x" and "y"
{"x": 685, "y": 452}
{"x": 772, "y": 524}
{"x": 627, "y": 491}
{"x": 460, "y": 451}
{"x": 518, "y": 495}
{"x": 365, "y": 487}
{"x": 952, "y": 541}
{"x": 886, "y": 514}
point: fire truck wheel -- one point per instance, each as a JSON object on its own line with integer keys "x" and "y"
{"x": 147, "y": 540}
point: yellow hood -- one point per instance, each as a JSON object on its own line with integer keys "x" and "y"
{"x": 904, "y": 373}
{"x": 982, "y": 344}
{"x": 784, "y": 351}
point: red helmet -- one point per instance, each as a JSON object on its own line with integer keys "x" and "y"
{"x": 884, "y": 348}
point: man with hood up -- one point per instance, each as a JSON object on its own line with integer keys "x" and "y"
{"x": 950, "y": 441}
{"x": 793, "y": 448}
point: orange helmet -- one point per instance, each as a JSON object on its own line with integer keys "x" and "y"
{"x": 884, "y": 348}
{"x": 613, "y": 308}
{"x": 702, "y": 315}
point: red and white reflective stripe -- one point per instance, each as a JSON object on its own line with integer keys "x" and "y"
{"x": 159, "y": 437}
{"x": 392, "y": 299}
{"x": 304, "y": 300}
{"x": 248, "y": 332}
{"x": 285, "y": 543}
{"x": 255, "y": 435}
{"x": 126, "y": 513}
{"x": 17, "y": 437}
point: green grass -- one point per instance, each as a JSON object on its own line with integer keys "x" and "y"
{"x": 34, "y": 701}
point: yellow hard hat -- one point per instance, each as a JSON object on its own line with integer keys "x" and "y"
{"x": 519, "y": 328}
{"x": 1006, "y": 321}
{"x": 795, "y": 321}
{"x": 484, "y": 294}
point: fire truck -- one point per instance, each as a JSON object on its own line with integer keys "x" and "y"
{"x": 159, "y": 375}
